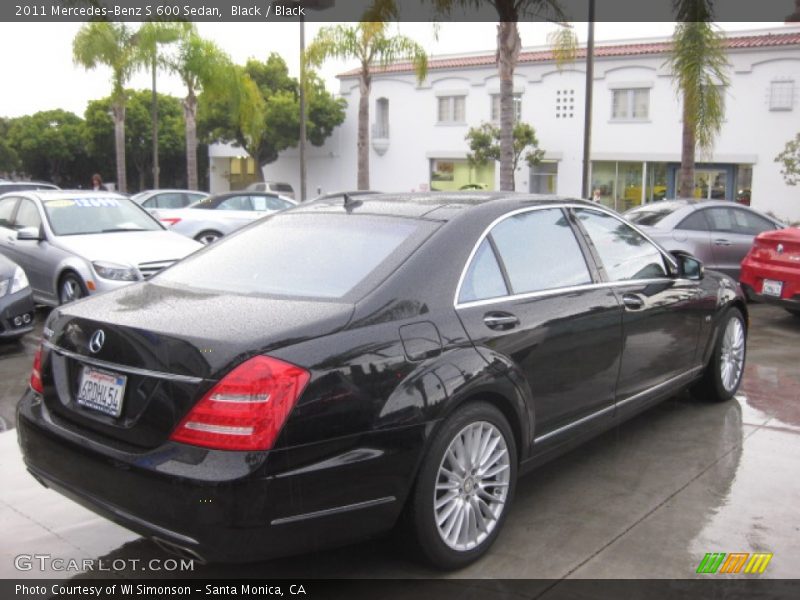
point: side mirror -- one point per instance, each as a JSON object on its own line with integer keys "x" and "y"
{"x": 689, "y": 267}
{"x": 30, "y": 234}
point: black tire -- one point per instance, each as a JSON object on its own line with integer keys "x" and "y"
{"x": 71, "y": 281}
{"x": 208, "y": 237}
{"x": 716, "y": 385}
{"x": 420, "y": 518}
{"x": 794, "y": 311}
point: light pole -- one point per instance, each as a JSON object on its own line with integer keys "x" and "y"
{"x": 587, "y": 116}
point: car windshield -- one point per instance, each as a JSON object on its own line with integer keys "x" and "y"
{"x": 320, "y": 256}
{"x": 101, "y": 214}
{"x": 650, "y": 216}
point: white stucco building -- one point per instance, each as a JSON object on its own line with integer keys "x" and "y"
{"x": 418, "y": 129}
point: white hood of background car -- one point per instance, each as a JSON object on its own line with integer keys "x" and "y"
{"x": 129, "y": 247}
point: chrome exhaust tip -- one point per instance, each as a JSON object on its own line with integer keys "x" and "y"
{"x": 178, "y": 550}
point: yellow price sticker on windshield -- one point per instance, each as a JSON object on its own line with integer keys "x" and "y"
{"x": 60, "y": 203}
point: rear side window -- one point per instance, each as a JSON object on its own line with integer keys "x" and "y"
{"x": 624, "y": 252}
{"x": 6, "y": 208}
{"x": 694, "y": 222}
{"x": 269, "y": 203}
{"x": 281, "y": 187}
{"x": 649, "y": 216}
{"x": 320, "y": 256}
{"x": 484, "y": 279}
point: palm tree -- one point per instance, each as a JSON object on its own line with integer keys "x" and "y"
{"x": 699, "y": 70}
{"x": 150, "y": 36}
{"x": 369, "y": 44}
{"x": 112, "y": 45}
{"x": 200, "y": 64}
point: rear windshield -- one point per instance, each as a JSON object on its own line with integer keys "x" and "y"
{"x": 303, "y": 255}
{"x": 281, "y": 187}
{"x": 651, "y": 215}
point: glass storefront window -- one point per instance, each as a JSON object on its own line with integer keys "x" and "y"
{"x": 744, "y": 183}
{"x": 451, "y": 175}
{"x": 656, "y": 188}
{"x": 543, "y": 177}
{"x": 629, "y": 185}
{"x": 604, "y": 177}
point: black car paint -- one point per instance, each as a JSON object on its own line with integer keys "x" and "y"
{"x": 386, "y": 370}
{"x": 14, "y": 305}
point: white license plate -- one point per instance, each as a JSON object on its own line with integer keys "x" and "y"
{"x": 102, "y": 391}
{"x": 772, "y": 288}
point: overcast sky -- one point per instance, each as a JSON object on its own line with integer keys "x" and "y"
{"x": 38, "y": 73}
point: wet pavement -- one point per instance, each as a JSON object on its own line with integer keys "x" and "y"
{"x": 646, "y": 500}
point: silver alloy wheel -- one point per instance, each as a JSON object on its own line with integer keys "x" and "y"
{"x": 471, "y": 486}
{"x": 208, "y": 237}
{"x": 732, "y": 354}
{"x": 70, "y": 290}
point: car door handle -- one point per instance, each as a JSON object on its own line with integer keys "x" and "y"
{"x": 500, "y": 320}
{"x": 632, "y": 301}
{"x": 722, "y": 242}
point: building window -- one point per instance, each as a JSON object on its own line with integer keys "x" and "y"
{"x": 630, "y": 104}
{"x": 544, "y": 177}
{"x": 517, "y": 103}
{"x": 451, "y": 109}
{"x": 565, "y": 104}
{"x": 781, "y": 95}
{"x": 450, "y": 175}
{"x": 380, "y": 129}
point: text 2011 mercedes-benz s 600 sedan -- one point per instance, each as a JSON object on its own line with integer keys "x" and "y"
{"x": 326, "y": 371}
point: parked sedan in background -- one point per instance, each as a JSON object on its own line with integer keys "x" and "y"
{"x": 16, "y": 301}
{"x": 771, "y": 270}
{"x": 337, "y": 368}
{"x": 718, "y": 232}
{"x": 152, "y": 199}
{"x": 210, "y": 219}
{"x": 276, "y": 187}
{"x": 72, "y": 244}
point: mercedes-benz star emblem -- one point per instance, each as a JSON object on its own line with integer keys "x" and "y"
{"x": 97, "y": 340}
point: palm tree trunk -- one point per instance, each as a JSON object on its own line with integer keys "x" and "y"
{"x": 508, "y": 47}
{"x": 118, "y": 110}
{"x": 363, "y": 130}
{"x": 687, "y": 153}
{"x": 190, "y": 116}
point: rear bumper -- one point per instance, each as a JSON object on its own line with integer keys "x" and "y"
{"x": 229, "y": 506}
{"x": 16, "y": 314}
{"x": 755, "y": 272}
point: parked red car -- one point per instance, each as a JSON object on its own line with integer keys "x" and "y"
{"x": 771, "y": 270}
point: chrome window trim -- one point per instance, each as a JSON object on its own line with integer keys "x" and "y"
{"x": 558, "y": 290}
{"x": 686, "y": 374}
{"x": 102, "y": 364}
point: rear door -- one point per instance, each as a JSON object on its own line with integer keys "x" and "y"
{"x": 529, "y": 297}
{"x": 732, "y": 233}
{"x": 662, "y": 315}
{"x": 31, "y": 254}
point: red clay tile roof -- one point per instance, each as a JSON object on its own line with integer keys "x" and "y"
{"x": 460, "y": 62}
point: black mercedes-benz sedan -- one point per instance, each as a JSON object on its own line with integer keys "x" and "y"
{"x": 349, "y": 364}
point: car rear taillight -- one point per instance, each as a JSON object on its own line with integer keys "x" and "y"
{"x": 246, "y": 409}
{"x": 36, "y": 372}
{"x": 170, "y": 222}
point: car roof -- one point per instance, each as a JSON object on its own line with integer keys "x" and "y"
{"x": 64, "y": 194}
{"x": 437, "y": 206}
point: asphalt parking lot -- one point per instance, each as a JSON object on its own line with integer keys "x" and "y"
{"x": 646, "y": 500}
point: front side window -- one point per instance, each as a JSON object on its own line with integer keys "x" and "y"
{"x": 451, "y": 109}
{"x": 27, "y": 215}
{"x": 623, "y": 251}
{"x": 630, "y": 104}
{"x": 6, "y": 208}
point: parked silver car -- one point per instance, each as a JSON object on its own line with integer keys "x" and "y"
{"x": 276, "y": 187}
{"x": 152, "y": 199}
{"x": 210, "y": 219}
{"x": 72, "y": 244}
{"x": 718, "y": 232}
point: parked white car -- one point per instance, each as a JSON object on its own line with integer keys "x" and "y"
{"x": 210, "y": 219}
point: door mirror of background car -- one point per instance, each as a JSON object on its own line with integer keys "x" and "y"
{"x": 689, "y": 266}
{"x": 29, "y": 233}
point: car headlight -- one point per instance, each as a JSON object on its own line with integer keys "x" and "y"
{"x": 18, "y": 282}
{"x": 115, "y": 272}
